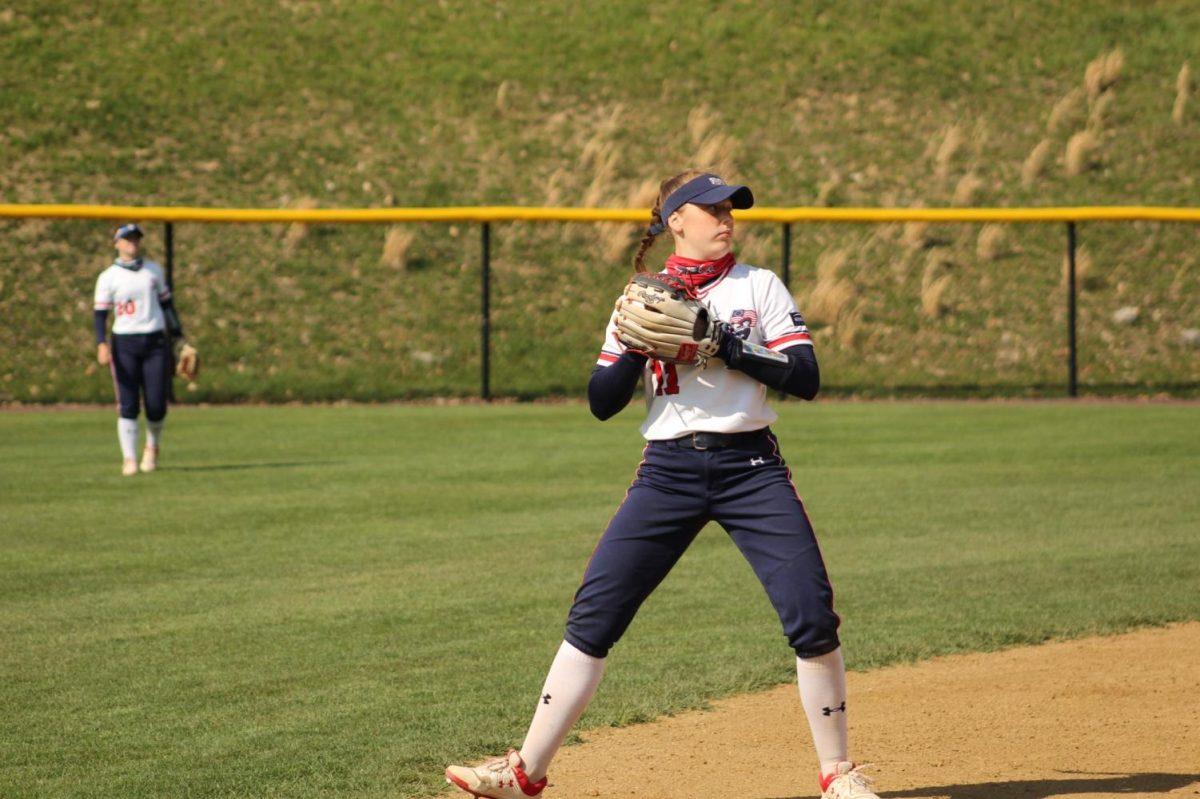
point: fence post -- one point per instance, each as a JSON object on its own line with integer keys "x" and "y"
{"x": 786, "y": 260}
{"x": 1072, "y": 353}
{"x": 169, "y": 253}
{"x": 485, "y": 242}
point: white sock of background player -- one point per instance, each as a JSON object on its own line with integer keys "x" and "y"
{"x": 569, "y": 686}
{"x": 127, "y": 434}
{"x": 822, "y": 682}
{"x": 154, "y": 432}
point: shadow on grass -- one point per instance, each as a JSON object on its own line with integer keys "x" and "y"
{"x": 1103, "y": 784}
{"x": 230, "y": 467}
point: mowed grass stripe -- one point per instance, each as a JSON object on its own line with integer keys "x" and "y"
{"x": 337, "y": 600}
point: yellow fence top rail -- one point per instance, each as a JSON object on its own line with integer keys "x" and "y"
{"x": 505, "y": 213}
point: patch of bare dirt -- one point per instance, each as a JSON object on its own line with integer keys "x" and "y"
{"x": 1099, "y": 717}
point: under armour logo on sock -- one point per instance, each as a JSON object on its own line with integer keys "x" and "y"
{"x": 546, "y": 699}
{"x": 757, "y": 461}
{"x": 829, "y": 711}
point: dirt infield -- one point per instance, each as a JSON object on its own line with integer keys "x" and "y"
{"x": 1097, "y": 717}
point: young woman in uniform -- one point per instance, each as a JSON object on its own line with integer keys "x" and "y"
{"x": 710, "y": 456}
{"x": 134, "y": 289}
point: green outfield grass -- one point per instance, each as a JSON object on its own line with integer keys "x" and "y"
{"x": 335, "y": 601}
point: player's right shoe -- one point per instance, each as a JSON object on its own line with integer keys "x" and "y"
{"x": 502, "y": 778}
{"x": 848, "y": 782}
{"x": 129, "y": 467}
{"x": 149, "y": 459}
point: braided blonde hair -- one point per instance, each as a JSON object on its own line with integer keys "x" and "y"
{"x": 657, "y": 223}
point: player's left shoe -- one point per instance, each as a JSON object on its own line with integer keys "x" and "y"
{"x": 129, "y": 467}
{"x": 149, "y": 459}
{"x": 502, "y": 778}
{"x": 848, "y": 782}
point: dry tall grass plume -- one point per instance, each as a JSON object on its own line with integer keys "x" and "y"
{"x": 831, "y": 294}
{"x": 1114, "y": 63}
{"x": 935, "y": 279}
{"x": 916, "y": 236}
{"x": 699, "y": 122}
{"x": 992, "y": 243}
{"x": 1085, "y": 275}
{"x": 715, "y": 153}
{"x": 502, "y": 96}
{"x": 968, "y": 186}
{"x": 1103, "y": 72}
{"x": 952, "y": 142}
{"x": 297, "y": 231}
{"x": 1035, "y": 163}
{"x": 850, "y": 328}
{"x": 1100, "y": 111}
{"x": 1183, "y": 88}
{"x": 1067, "y": 112}
{"x": 1082, "y": 151}
{"x": 395, "y": 247}
{"x": 603, "y": 157}
{"x": 617, "y": 238}
{"x": 827, "y": 192}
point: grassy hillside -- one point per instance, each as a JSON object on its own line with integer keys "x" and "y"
{"x": 374, "y": 104}
{"x": 304, "y": 601}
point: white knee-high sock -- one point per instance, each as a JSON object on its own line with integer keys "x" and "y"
{"x": 127, "y": 434}
{"x": 822, "y": 682}
{"x": 569, "y": 686}
{"x": 154, "y": 432}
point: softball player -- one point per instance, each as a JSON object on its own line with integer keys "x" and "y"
{"x": 140, "y": 354}
{"x": 710, "y": 456}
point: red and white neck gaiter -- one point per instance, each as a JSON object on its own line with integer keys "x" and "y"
{"x": 697, "y": 273}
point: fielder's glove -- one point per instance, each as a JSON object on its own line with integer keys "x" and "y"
{"x": 187, "y": 361}
{"x": 659, "y": 316}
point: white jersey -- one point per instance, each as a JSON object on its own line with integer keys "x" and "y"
{"x": 134, "y": 295}
{"x": 716, "y": 399}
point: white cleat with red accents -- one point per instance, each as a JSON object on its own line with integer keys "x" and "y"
{"x": 848, "y": 782}
{"x": 502, "y": 778}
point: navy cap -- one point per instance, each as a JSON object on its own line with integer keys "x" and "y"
{"x": 708, "y": 189}
{"x": 127, "y": 231}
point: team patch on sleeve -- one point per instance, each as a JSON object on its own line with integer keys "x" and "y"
{"x": 799, "y": 335}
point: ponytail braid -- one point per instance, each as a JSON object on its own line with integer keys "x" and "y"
{"x": 657, "y": 223}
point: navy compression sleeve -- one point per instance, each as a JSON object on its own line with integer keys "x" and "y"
{"x": 174, "y": 327}
{"x": 611, "y": 387}
{"x": 100, "y": 321}
{"x": 799, "y": 377}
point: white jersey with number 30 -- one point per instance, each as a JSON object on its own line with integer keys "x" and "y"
{"x": 715, "y": 399}
{"x": 134, "y": 295}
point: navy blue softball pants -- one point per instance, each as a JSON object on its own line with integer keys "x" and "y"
{"x": 748, "y": 491}
{"x": 141, "y": 364}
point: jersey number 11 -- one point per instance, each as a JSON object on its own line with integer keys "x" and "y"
{"x": 666, "y": 379}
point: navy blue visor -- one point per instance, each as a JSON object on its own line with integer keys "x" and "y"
{"x": 707, "y": 189}
{"x": 127, "y": 232}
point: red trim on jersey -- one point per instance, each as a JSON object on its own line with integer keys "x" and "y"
{"x": 708, "y": 287}
{"x": 608, "y": 357}
{"x": 790, "y": 337}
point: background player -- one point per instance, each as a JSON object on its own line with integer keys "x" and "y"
{"x": 140, "y": 355}
{"x": 710, "y": 455}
